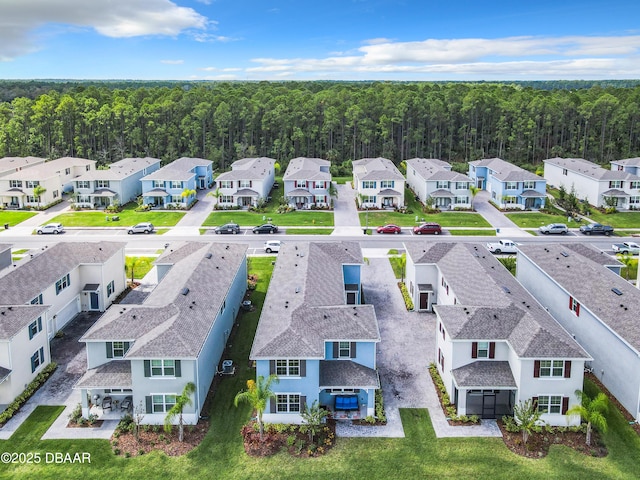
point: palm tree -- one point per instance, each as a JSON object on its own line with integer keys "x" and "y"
{"x": 628, "y": 262}
{"x": 257, "y": 394}
{"x": 130, "y": 264}
{"x": 312, "y": 416}
{"x": 215, "y": 194}
{"x": 38, "y": 191}
{"x": 182, "y": 400}
{"x": 591, "y": 411}
{"x": 526, "y": 416}
{"x": 402, "y": 263}
{"x": 187, "y": 192}
{"x": 473, "y": 189}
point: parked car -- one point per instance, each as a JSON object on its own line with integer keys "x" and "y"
{"x": 626, "y": 248}
{"x": 503, "y": 246}
{"x": 272, "y": 246}
{"x": 55, "y": 228}
{"x": 428, "y": 229}
{"x": 391, "y": 228}
{"x": 144, "y": 227}
{"x": 232, "y": 228}
{"x": 596, "y": 229}
{"x": 265, "y": 228}
{"x": 559, "y": 228}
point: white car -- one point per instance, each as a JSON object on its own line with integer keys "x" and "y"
{"x": 503, "y": 246}
{"x": 55, "y": 228}
{"x": 272, "y": 246}
{"x": 144, "y": 227}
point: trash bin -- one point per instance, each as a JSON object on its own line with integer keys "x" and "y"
{"x": 497, "y": 230}
{"x": 6, "y": 226}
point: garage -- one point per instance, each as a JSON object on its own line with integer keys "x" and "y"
{"x": 67, "y": 312}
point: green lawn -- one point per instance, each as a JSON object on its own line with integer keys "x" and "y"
{"x": 13, "y": 218}
{"x": 473, "y": 233}
{"x": 128, "y": 216}
{"x": 446, "y": 219}
{"x": 141, "y": 267}
{"x": 617, "y": 220}
{"x": 342, "y": 180}
{"x": 398, "y": 265}
{"x": 296, "y": 218}
{"x": 309, "y": 231}
{"x": 536, "y": 219}
{"x": 221, "y": 455}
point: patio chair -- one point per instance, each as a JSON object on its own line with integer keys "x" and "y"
{"x": 106, "y": 403}
{"x": 126, "y": 403}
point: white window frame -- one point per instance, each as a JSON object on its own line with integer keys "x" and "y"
{"x": 15, "y": 183}
{"x": 175, "y": 184}
{"x": 35, "y": 328}
{"x": 367, "y": 184}
{"x": 288, "y": 368}
{"x": 37, "y": 359}
{"x": 387, "y": 183}
{"x": 245, "y": 184}
{"x": 288, "y": 403}
{"x": 31, "y": 183}
{"x": 575, "y": 306}
{"x": 226, "y": 183}
{"x": 615, "y": 183}
{"x": 319, "y": 185}
{"x": 461, "y": 200}
{"x": 111, "y": 288}
{"x": 509, "y": 200}
{"x": 342, "y": 349}
{"x": 510, "y": 185}
{"x": 551, "y": 404}
{"x": 85, "y": 184}
{"x": 444, "y": 184}
{"x": 166, "y": 368}
{"x": 634, "y": 185}
{"x": 32, "y": 199}
{"x": 158, "y": 184}
{"x": 117, "y": 349}
{"x": 634, "y": 200}
{"x": 102, "y": 183}
{"x": 63, "y": 283}
{"x": 162, "y": 402}
{"x": 37, "y": 300}
{"x": 482, "y": 350}
{"x": 462, "y": 185}
{"x": 529, "y": 185}
{"x": 226, "y": 198}
{"x": 552, "y": 368}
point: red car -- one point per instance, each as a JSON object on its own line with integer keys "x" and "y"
{"x": 427, "y": 229}
{"x": 391, "y": 228}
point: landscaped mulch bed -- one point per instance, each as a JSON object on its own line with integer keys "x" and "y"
{"x": 538, "y": 444}
{"x": 295, "y": 442}
{"x": 96, "y": 424}
{"x": 155, "y": 438}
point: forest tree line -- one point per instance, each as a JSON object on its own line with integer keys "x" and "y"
{"x": 338, "y": 121}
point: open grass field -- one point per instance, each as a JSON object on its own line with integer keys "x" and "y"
{"x": 309, "y": 231}
{"x": 128, "y": 217}
{"x": 617, "y": 220}
{"x": 445, "y": 219}
{"x": 308, "y": 218}
{"x": 13, "y": 218}
{"x": 221, "y": 455}
{"x": 536, "y": 219}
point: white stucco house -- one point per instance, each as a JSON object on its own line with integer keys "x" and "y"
{"x": 598, "y": 185}
{"x": 378, "y": 183}
{"x": 150, "y": 351}
{"x": 496, "y": 345}
{"x": 249, "y": 181}
{"x": 433, "y": 178}
{"x": 307, "y": 183}
{"x": 595, "y": 305}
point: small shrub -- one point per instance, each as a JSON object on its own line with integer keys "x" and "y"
{"x": 141, "y": 452}
{"x": 127, "y": 455}
{"x": 116, "y": 451}
{"x": 75, "y": 415}
{"x": 291, "y": 440}
{"x": 474, "y": 419}
{"x": 408, "y": 302}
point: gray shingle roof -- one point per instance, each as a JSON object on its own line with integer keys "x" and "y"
{"x": 376, "y": 169}
{"x": 303, "y": 168}
{"x": 168, "y": 323}
{"x": 119, "y": 170}
{"x": 347, "y": 374}
{"x": 22, "y": 284}
{"x": 305, "y": 304}
{"x": 635, "y": 162}
{"x": 432, "y": 169}
{"x": 249, "y": 169}
{"x": 590, "y": 283}
{"x": 113, "y": 374}
{"x": 49, "y": 169}
{"x": 4, "y": 373}
{"x": 492, "y": 305}
{"x": 484, "y": 374}
{"x": 507, "y": 172}
{"x": 590, "y": 169}
{"x": 16, "y": 163}
{"x": 14, "y": 318}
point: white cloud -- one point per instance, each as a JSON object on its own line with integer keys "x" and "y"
{"x": 208, "y": 37}
{"x": 115, "y": 18}
{"x": 511, "y": 57}
{"x": 172, "y": 62}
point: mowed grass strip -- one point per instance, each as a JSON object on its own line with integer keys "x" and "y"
{"x": 14, "y": 218}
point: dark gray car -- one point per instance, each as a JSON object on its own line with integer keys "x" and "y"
{"x": 232, "y": 228}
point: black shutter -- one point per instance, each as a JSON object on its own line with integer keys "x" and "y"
{"x": 109, "y": 350}
{"x": 336, "y": 351}
{"x": 126, "y": 347}
{"x": 534, "y": 403}
{"x": 353, "y": 350}
{"x": 149, "y": 404}
{"x": 178, "y": 368}
{"x": 272, "y": 367}
{"x": 147, "y": 368}
{"x": 272, "y": 404}
{"x": 536, "y": 369}
{"x": 474, "y": 350}
{"x": 303, "y": 368}
{"x": 303, "y": 402}
{"x": 567, "y": 368}
{"x": 39, "y": 324}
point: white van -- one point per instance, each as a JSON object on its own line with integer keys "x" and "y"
{"x": 272, "y": 246}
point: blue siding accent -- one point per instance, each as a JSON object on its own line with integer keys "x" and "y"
{"x": 365, "y": 353}
{"x": 351, "y": 273}
{"x": 307, "y": 386}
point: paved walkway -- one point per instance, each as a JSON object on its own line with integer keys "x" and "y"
{"x": 192, "y": 221}
{"x": 345, "y": 213}
{"x": 404, "y": 354}
{"x": 504, "y": 227}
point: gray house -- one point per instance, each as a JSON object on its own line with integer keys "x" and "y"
{"x": 150, "y": 351}
{"x": 595, "y": 305}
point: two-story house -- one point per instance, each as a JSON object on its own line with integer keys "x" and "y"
{"x": 510, "y": 186}
{"x": 433, "y": 178}
{"x": 67, "y": 277}
{"x": 15, "y": 164}
{"x": 378, "y": 183}
{"x": 629, "y": 165}
{"x": 55, "y": 176}
{"x": 307, "y": 183}
{"x": 120, "y": 183}
{"x": 249, "y": 181}
{"x": 595, "y": 305}
{"x": 599, "y": 186}
{"x": 166, "y": 187}
{"x": 495, "y": 344}
{"x": 150, "y": 351}
{"x": 316, "y": 335}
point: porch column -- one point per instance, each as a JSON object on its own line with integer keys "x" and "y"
{"x": 84, "y": 402}
{"x": 462, "y": 401}
{"x": 371, "y": 402}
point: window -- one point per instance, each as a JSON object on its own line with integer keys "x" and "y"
{"x": 462, "y": 185}
{"x": 245, "y": 183}
{"x": 550, "y": 404}
{"x": 288, "y": 403}
{"x": 163, "y": 368}
{"x": 35, "y": 327}
{"x": 31, "y": 183}
{"x": 483, "y": 350}
{"x": 37, "y": 359}
{"x": 88, "y": 167}
{"x": 634, "y": 185}
{"x": 37, "y": 300}
{"x": 110, "y": 288}
{"x": 368, "y": 184}
{"x": 564, "y": 171}
{"x": 117, "y": 390}
{"x": 15, "y": 184}
{"x": 369, "y": 199}
{"x": 67, "y": 171}
{"x": 176, "y": 184}
{"x": 529, "y": 185}
{"x": 119, "y": 349}
{"x": 83, "y": 199}
{"x": 344, "y": 349}
{"x": 319, "y": 185}
{"x": 162, "y": 403}
{"x": 442, "y": 184}
{"x": 226, "y": 184}
{"x": 620, "y": 168}
{"x": 83, "y": 184}
{"x": 158, "y": 184}
{"x": 386, "y": 183}
{"x": 574, "y": 306}
{"x": 441, "y": 359}
{"x": 320, "y": 198}
{"x": 552, "y": 368}
{"x": 509, "y": 199}
{"x": 615, "y": 184}
{"x": 63, "y": 283}
{"x": 634, "y": 200}
{"x": 511, "y": 185}
{"x": 32, "y": 199}
{"x": 55, "y": 194}
{"x": 288, "y": 368}
{"x": 223, "y": 306}
{"x": 461, "y": 200}
{"x": 102, "y": 183}
{"x": 226, "y": 198}
{"x": 301, "y": 184}
{"x": 176, "y": 199}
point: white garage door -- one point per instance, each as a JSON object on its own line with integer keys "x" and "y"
{"x": 67, "y": 312}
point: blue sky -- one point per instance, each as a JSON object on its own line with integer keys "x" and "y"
{"x": 319, "y": 40}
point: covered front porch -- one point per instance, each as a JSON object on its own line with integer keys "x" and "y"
{"x": 245, "y": 197}
{"x": 300, "y": 198}
{"x": 347, "y": 389}
{"x": 532, "y": 200}
{"x": 484, "y": 388}
{"x": 13, "y": 198}
{"x": 442, "y": 199}
{"x": 107, "y": 390}
{"x": 616, "y": 198}
{"x": 390, "y": 198}
{"x": 155, "y": 198}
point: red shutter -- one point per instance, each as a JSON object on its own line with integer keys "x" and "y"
{"x": 492, "y": 349}
{"x": 536, "y": 369}
{"x": 570, "y": 302}
{"x": 567, "y": 368}
{"x": 565, "y": 405}
{"x": 534, "y": 402}
{"x": 577, "y": 310}
{"x": 474, "y": 350}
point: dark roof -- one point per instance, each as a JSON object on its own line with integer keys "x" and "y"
{"x": 532, "y": 194}
{"x": 4, "y": 373}
{"x": 485, "y": 374}
{"x": 113, "y": 374}
{"x": 347, "y": 374}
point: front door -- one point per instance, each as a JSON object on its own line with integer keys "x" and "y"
{"x": 424, "y": 300}
{"x": 488, "y": 404}
{"x": 351, "y": 298}
{"x": 94, "y": 301}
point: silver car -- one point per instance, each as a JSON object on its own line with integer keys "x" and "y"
{"x": 144, "y": 227}
{"x": 559, "y": 228}
{"x": 50, "y": 228}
